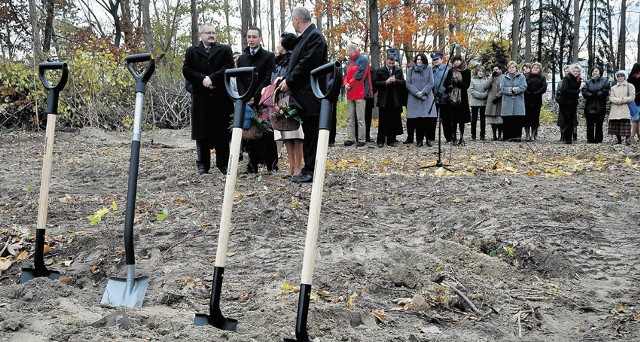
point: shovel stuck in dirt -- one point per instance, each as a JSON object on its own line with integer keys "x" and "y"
{"x": 333, "y": 85}
{"x": 130, "y": 292}
{"x": 215, "y": 317}
{"x": 39, "y": 269}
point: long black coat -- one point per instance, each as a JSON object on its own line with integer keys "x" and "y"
{"x": 398, "y": 88}
{"x": 265, "y": 62}
{"x": 460, "y": 113}
{"x": 310, "y": 52}
{"x": 210, "y": 108}
{"x": 596, "y": 93}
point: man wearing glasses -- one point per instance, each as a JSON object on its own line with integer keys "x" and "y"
{"x": 204, "y": 67}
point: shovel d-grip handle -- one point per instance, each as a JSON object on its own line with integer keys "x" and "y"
{"x": 53, "y": 91}
{"x": 333, "y": 84}
{"x": 238, "y": 114}
{"x": 141, "y": 78}
{"x": 241, "y": 72}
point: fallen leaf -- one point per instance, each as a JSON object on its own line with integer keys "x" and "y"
{"x": 66, "y": 199}
{"x": 48, "y": 261}
{"x": 380, "y": 315}
{"x": 289, "y": 287}
{"x": 65, "y": 280}
{"x": 46, "y": 249}
{"x": 5, "y": 263}
{"x": 627, "y": 161}
{"x": 67, "y": 263}
{"x": 95, "y": 269}
{"x": 189, "y": 282}
{"x": 294, "y": 202}
{"x": 23, "y": 255}
{"x": 636, "y": 317}
{"x": 244, "y": 297}
{"x": 114, "y": 205}
{"x": 350, "y": 303}
{"x": 323, "y": 293}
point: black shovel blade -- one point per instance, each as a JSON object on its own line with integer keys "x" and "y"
{"x": 30, "y": 273}
{"x": 303, "y": 312}
{"x": 215, "y": 317}
{"x": 219, "y": 321}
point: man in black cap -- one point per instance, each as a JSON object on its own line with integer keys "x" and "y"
{"x": 440, "y": 72}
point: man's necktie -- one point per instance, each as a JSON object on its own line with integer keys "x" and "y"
{"x": 207, "y": 48}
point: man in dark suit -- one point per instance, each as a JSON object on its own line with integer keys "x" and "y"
{"x": 392, "y": 95}
{"x": 263, "y": 150}
{"x": 310, "y": 52}
{"x": 204, "y": 67}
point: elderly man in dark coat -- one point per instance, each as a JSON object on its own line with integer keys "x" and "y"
{"x": 310, "y": 52}
{"x": 204, "y": 67}
{"x": 392, "y": 95}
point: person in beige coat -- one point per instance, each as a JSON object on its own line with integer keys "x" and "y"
{"x": 494, "y": 102}
{"x": 620, "y": 116}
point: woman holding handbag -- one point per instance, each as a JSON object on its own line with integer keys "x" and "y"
{"x": 620, "y": 116}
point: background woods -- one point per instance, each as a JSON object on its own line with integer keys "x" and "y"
{"x": 93, "y": 36}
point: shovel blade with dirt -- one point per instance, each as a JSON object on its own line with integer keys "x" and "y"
{"x": 215, "y": 317}
{"x": 39, "y": 269}
{"x": 130, "y": 291}
{"x": 332, "y": 86}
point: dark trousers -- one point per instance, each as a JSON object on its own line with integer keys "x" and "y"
{"x": 368, "y": 116}
{"x": 203, "y": 150}
{"x": 385, "y": 131}
{"x": 512, "y": 127}
{"x": 411, "y": 128}
{"x": 430, "y": 128}
{"x": 447, "y": 124}
{"x": 569, "y": 119}
{"x": 474, "y": 121}
{"x": 262, "y": 151}
{"x": 594, "y": 129}
{"x": 310, "y": 126}
{"x": 334, "y": 118}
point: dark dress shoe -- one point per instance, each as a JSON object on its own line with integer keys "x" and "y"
{"x": 381, "y": 145}
{"x": 419, "y": 144}
{"x": 223, "y": 170}
{"x": 407, "y": 142}
{"x": 360, "y": 144}
{"x": 391, "y": 144}
{"x": 429, "y": 143}
{"x": 348, "y": 143}
{"x": 202, "y": 171}
{"x": 302, "y": 178}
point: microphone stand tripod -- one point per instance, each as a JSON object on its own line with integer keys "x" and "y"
{"x": 439, "y": 162}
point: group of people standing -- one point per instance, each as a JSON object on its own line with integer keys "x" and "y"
{"x": 203, "y": 69}
{"x": 509, "y": 100}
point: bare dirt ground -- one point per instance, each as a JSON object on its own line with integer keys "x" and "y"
{"x": 541, "y": 237}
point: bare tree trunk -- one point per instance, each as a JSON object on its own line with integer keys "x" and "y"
{"x": 440, "y": 33}
{"x": 245, "y": 17}
{"x": 638, "y": 42}
{"x": 374, "y": 32}
{"x": 515, "y": 31}
{"x": 112, "y": 8}
{"x": 146, "y": 25}
{"x": 282, "y": 16}
{"x": 576, "y": 31}
{"x": 540, "y": 33}
{"x": 528, "y": 32}
{"x": 591, "y": 38}
{"x": 127, "y": 24}
{"x": 272, "y": 24}
{"x": 622, "y": 38}
{"x": 227, "y": 28}
{"x": 612, "y": 51}
{"x": 194, "y": 22}
{"x": 48, "y": 25}
{"x": 37, "y": 44}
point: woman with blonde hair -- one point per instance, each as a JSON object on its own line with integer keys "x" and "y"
{"x": 512, "y": 86}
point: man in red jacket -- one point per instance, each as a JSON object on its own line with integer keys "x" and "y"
{"x": 358, "y": 85}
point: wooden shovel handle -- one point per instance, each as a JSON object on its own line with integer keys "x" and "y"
{"x": 43, "y": 201}
{"x": 309, "y": 260}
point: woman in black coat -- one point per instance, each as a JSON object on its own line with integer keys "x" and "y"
{"x": 568, "y": 101}
{"x": 459, "y": 77}
{"x": 595, "y": 92}
{"x": 536, "y": 87}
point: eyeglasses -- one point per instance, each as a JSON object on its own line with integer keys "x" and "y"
{"x": 209, "y": 32}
